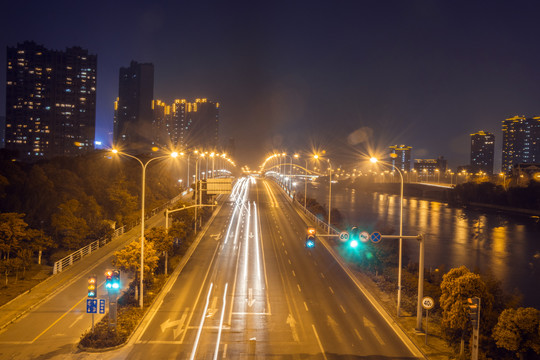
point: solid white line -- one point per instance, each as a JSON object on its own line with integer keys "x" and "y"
{"x": 196, "y": 344}
{"x": 319, "y": 342}
{"x": 221, "y": 321}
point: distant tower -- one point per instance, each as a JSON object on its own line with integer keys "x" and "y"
{"x": 482, "y": 152}
{"x": 403, "y": 159}
{"x": 133, "y": 110}
{"x": 521, "y": 142}
{"x": 50, "y": 101}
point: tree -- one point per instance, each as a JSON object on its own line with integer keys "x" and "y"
{"x": 12, "y": 232}
{"x": 161, "y": 240}
{"x": 518, "y": 330}
{"x": 129, "y": 259}
{"x": 122, "y": 203}
{"x": 71, "y": 228}
{"x": 39, "y": 241}
{"x": 457, "y": 286}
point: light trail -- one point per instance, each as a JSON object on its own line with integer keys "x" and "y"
{"x": 255, "y": 217}
{"x": 221, "y": 321}
{"x": 196, "y": 344}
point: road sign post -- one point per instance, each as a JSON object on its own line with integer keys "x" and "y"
{"x": 427, "y": 303}
{"x": 91, "y": 308}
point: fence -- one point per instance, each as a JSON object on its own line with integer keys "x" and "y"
{"x": 318, "y": 222}
{"x": 67, "y": 261}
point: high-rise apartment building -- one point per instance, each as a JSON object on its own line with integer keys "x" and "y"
{"x": 482, "y": 152}
{"x": 50, "y": 101}
{"x": 133, "y": 109}
{"x": 195, "y": 124}
{"x": 162, "y": 125}
{"x": 521, "y": 142}
{"x": 402, "y": 159}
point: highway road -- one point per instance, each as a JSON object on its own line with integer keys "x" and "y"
{"x": 252, "y": 289}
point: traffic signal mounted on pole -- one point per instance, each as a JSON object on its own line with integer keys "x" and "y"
{"x": 474, "y": 311}
{"x": 108, "y": 280}
{"x": 116, "y": 280}
{"x": 112, "y": 280}
{"x": 354, "y": 237}
{"x": 92, "y": 286}
{"x": 310, "y": 237}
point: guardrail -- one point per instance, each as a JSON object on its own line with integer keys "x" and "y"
{"x": 67, "y": 261}
{"x": 318, "y": 222}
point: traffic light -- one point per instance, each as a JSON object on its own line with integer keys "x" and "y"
{"x": 116, "y": 280}
{"x": 92, "y": 286}
{"x": 310, "y": 237}
{"x": 354, "y": 237}
{"x": 108, "y": 280}
{"x": 474, "y": 310}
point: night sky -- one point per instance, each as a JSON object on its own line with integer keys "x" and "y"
{"x": 341, "y": 76}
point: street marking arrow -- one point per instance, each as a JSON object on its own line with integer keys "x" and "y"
{"x": 292, "y": 323}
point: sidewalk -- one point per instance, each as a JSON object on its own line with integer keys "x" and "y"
{"x": 30, "y": 299}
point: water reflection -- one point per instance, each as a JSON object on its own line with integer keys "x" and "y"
{"x": 504, "y": 245}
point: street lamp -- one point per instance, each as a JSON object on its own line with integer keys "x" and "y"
{"x": 143, "y": 165}
{"x": 374, "y": 160}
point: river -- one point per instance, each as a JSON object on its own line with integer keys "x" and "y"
{"x": 505, "y": 245}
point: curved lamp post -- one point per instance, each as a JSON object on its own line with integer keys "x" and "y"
{"x": 143, "y": 165}
{"x": 374, "y": 160}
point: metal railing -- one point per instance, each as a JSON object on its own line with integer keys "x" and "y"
{"x": 69, "y": 260}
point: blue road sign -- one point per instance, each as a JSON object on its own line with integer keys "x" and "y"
{"x": 375, "y": 237}
{"x": 91, "y": 306}
{"x": 102, "y": 306}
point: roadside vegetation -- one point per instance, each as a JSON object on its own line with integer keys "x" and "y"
{"x": 160, "y": 248}
{"x": 508, "y": 330}
{"x": 50, "y": 208}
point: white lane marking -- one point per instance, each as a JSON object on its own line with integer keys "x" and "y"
{"x": 299, "y": 287}
{"x": 357, "y": 334}
{"x": 305, "y": 305}
{"x": 224, "y": 351}
{"x": 293, "y": 273}
{"x": 371, "y": 327}
{"x": 203, "y": 317}
{"x": 342, "y": 309}
{"x": 319, "y": 342}
{"x": 331, "y": 290}
{"x": 322, "y": 275}
{"x": 221, "y": 321}
{"x": 77, "y": 319}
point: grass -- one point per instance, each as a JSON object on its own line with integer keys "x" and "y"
{"x": 33, "y": 276}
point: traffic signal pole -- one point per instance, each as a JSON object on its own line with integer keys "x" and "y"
{"x": 420, "y": 239}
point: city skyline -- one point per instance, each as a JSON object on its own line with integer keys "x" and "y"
{"x": 344, "y": 78}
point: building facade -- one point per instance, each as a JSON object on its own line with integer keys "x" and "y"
{"x": 402, "y": 159}
{"x": 50, "y": 101}
{"x": 482, "y": 152}
{"x": 521, "y": 142}
{"x": 194, "y": 124}
{"x": 133, "y": 109}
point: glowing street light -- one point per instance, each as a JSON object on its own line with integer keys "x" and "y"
{"x": 374, "y": 161}
{"x": 143, "y": 165}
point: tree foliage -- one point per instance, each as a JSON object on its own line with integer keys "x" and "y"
{"x": 12, "y": 232}
{"x": 129, "y": 259}
{"x": 457, "y": 286}
{"x": 518, "y": 330}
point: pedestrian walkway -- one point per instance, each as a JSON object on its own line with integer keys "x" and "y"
{"x": 27, "y": 301}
